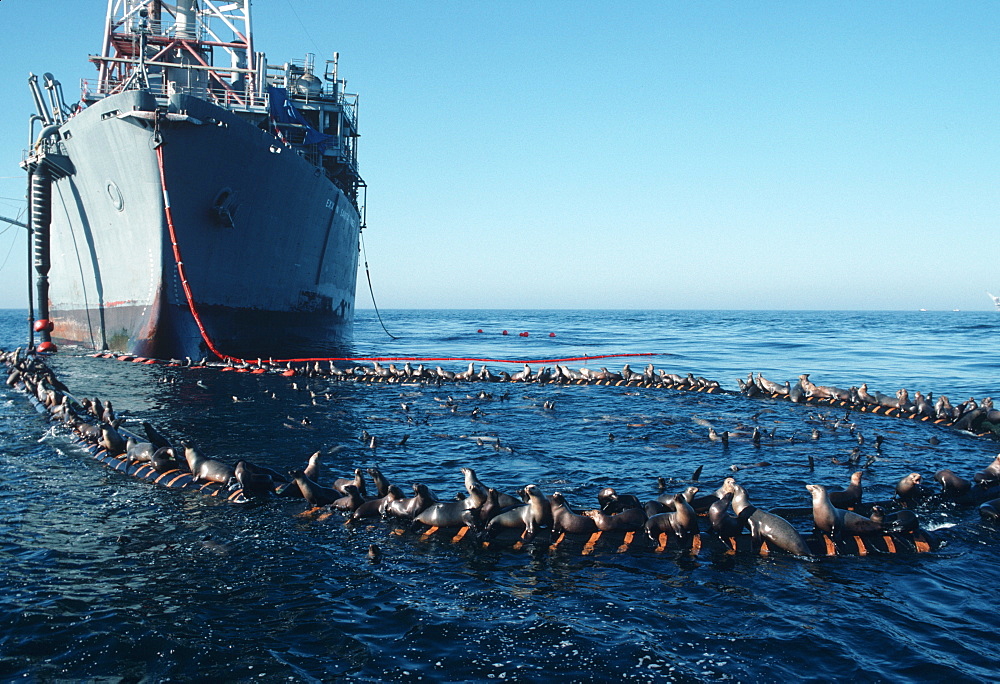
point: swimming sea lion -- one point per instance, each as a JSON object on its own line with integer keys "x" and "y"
{"x": 837, "y": 522}
{"x": 204, "y": 468}
{"x": 952, "y": 485}
{"x": 764, "y": 526}
{"x": 564, "y": 519}
{"x": 990, "y": 511}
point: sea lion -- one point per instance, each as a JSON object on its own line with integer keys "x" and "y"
{"x": 275, "y": 476}
{"x": 667, "y": 500}
{"x": 990, "y": 475}
{"x": 724, "y": 524}
{"x": 952, "y": 485}
{"x": 628, "y": 520}
{"x": 409, "y": 508}
{"x": 340, "y": 484}
{"x": 850, "y": 496}
{"x": 472, "y": 481}
{"x": 837, "y": 522}
{"x": 530, "y": 516}
{"x": 899, "y": 521}
{"x": 681, "y": 523}
{"x": 764, "y": 526}
{"x": 454, "y": 513}
{"x": 313, "y": 467}
{"x": 204, "y": 468}
{"x": 612, "y": 502}
{"x": 138, "y": 452}
{"x": 351, "y": 500}
{"x": 254, "y": 485}
{"x": 314, "y": 493}
{"x": 990, "y": 511}
{"x": 911, "y": 489}
{"x": 381, "y": 483}
{"x": 165, "y": 459}
{"x": 111, "y": 440}
{"x": 564, "y": 519}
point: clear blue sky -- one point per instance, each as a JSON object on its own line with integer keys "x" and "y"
{"x": 557, "y": 154}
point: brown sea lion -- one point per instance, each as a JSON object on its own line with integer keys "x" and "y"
{"x": 764, "y": 526}
{"x": 850, "y": 496}
{"x": 204, "y": 468}
{"x": 564, "y": 519}
{"x": 312, "y": 492}
{"x": 837, "y": 522}
{"x": 530, "y": 517}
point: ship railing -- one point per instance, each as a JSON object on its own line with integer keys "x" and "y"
{"x": 92, "y": 91}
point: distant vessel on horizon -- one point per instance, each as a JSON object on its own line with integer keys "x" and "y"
{"x": 996, "y": 300}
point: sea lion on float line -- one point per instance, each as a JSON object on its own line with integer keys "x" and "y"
{"x": 138, "y": 452}
{"x": 899, "y": 521}
{"x": 255, "y": 485}
{"x": 849, "y": 496}
{"x": 472, "y": 481}
{"x": 629, "y": 520}
{"x": 351, "y": 500}
{"x": 529, "y": 517}
{"x": 204, "y": 468}
{"x": 911, "y": 489}
{"x": 313, "y": 493}
{"x": 612, "y": 502}
{"x": 565, "y": 520}
{"x": 681, "y": 523}
{"x": 724, "y": 524}
{"x": 837, "y": 522}
{"x": 454, "y": 513}
{"x": 165, "y": 459}
{"x": 990, "y": 511}
{"x": 764, "y": 526}
{"x": 409, "y": 508}
{"x": 340, "y": 484}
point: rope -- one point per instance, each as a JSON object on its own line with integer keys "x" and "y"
{"x": 371, "y": 291}
{"x": 225, "y": 357}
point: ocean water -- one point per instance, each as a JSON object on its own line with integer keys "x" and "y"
{"x": 106, "y": 577}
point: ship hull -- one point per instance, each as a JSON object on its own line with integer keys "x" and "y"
{"x": 268, "y": 244}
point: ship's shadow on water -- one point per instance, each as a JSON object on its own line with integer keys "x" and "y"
{"x": 107, "y": 576}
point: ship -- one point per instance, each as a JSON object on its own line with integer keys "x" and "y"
{"x": 996, "y": 300}
{"x": 198, "y": 201}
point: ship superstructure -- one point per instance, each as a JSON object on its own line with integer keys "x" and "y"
{"x": 198, "y": 199}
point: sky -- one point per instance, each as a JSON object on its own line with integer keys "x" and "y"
{"x": 641, "y": 155}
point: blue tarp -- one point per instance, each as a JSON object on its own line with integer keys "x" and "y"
{"x": 284, "y": 112}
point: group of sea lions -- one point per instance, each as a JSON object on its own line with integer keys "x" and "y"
{"x": 976, "y": 417}
{"x": 489, "y": 513}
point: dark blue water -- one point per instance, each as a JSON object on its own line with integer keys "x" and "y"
{"x": 102, "y": 576}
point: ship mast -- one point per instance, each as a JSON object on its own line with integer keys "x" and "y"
{"x": 174, "y": 48}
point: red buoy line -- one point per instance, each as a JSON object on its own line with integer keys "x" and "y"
{"x": 186, "y": 286}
